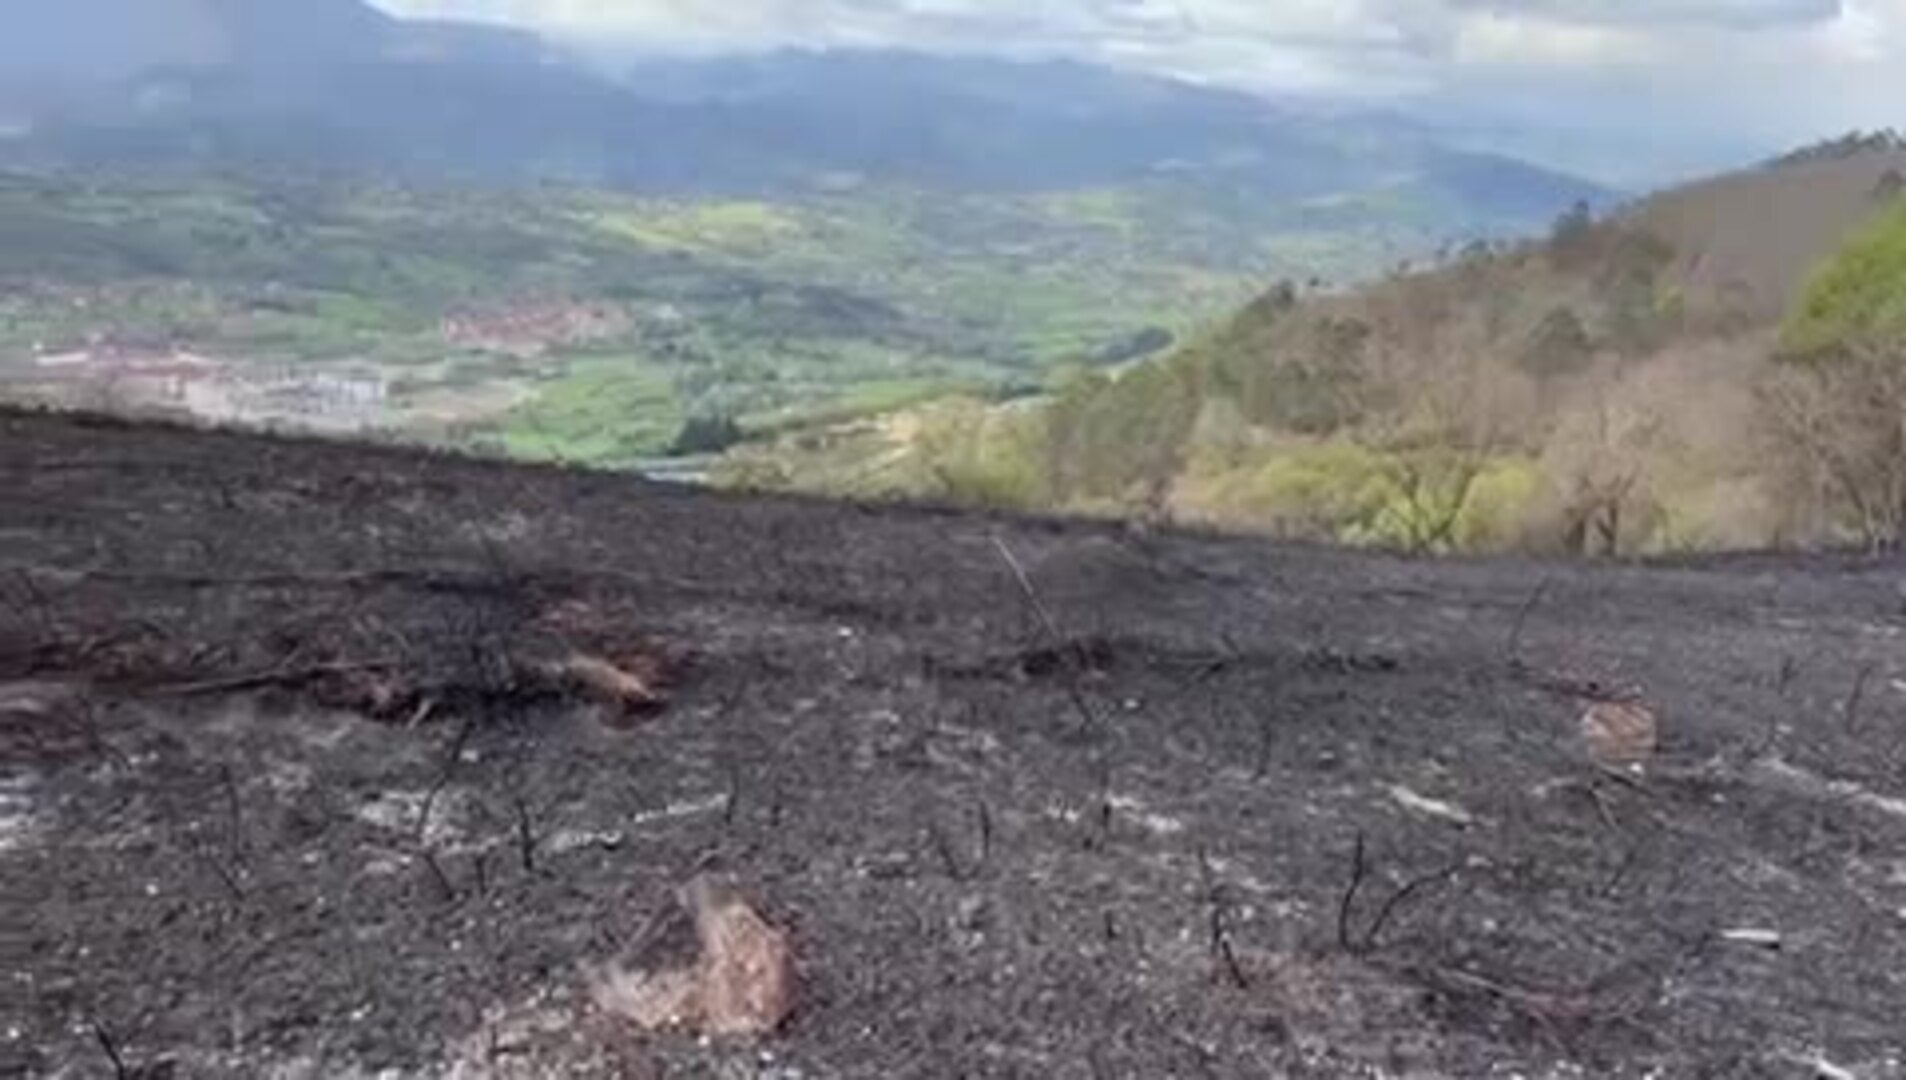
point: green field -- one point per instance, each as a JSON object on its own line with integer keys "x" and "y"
{"x": 771, "y": 314}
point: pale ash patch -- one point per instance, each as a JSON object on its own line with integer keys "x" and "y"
{"x": 565, "y": 840}
{"x": 19, "y": 823}
{"x": 1816, "y": 786}
{"x": 1151, "y": 821}
{"x": 403, "y": 812}
{"x": 1429, "y": 807}
{"x": 1129, "y": 808}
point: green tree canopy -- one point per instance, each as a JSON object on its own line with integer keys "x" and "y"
{"x": 1856, "y": 297}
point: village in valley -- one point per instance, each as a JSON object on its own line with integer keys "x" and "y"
{"x": 114, "y": 370}
{"x": 116, "y": 376}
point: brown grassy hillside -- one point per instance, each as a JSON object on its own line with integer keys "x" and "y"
{"x": 1755, "y": 234}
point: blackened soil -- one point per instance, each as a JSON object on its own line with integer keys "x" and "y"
{"x": 277, "y": 797}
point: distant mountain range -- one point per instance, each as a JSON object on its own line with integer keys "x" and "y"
{"x": 79, "y": 43}
{"x": 337, "y": 84}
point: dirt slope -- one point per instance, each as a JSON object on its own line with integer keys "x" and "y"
{"x": 1121, "y": 854}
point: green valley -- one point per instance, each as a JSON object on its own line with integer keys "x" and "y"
{"x": 592, "y": 327}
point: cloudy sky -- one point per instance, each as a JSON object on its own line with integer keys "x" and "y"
{"x": 1678, "y": 82}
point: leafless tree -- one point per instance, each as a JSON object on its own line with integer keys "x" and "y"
{"x": 1598, "y": 464}
{"x": 1839, "y": 422}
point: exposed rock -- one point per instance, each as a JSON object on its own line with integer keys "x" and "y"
{"x": 1620, "y": 734}
{"x": 622, "y": 686}
{"x": 741, "y": 984}
{"x": 747, "y": 967}
{"x": 655, "y": 1000}
{"x": 629, "y": 683}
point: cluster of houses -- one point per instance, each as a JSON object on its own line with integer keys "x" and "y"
{"x": 116, "y": 371}
{"x": 117, "y": 377}
{"x": 530, "y": 330}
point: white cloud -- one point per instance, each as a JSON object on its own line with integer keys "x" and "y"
{"x": 1520, "y": 41}
{"x": 1769, "y": 70}
{"x": 1733, "y": 14}
{"x": 1865, "y": 32}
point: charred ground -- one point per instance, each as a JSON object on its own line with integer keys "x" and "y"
{"x": 290, "y": 789}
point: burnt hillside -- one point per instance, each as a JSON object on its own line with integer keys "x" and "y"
{"x": 302, "y": 777}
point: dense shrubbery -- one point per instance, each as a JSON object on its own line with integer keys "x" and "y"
{"x": 706, "y": 435}
{"x": 1857, "y": 297}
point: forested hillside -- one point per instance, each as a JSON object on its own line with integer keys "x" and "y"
{"x": 1674, "y": 376}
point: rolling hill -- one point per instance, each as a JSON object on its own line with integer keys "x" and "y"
{"x": 1607, "y": 389}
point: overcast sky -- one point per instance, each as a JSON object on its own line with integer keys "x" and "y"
{"x": 1681, "y": 75}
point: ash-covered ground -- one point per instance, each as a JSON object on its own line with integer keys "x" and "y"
{"x": 293, "y": 784}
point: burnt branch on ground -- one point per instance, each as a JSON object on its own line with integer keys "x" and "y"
{"x": 450, "y": 761}
{"x": 281, "y": 677}
{"x": 1050, "y": 628}
{"x": 1854, "y": 697}
{"x": 1223, "y": 954}
{"x": 222, "y": 872}
{"x": 1105, "y": 809}
{"x": 1346, "y": 904}
{"x": 1789, "y": 671}
{"x": 1265, "y": 745}
{"x": 525, "y": 833}
{"x": 1512, "y": 648}
{"x": 1403, "y": 894}
{"x": 1366, "y": 942}
{"x": 985, "y": 833}
{"x": 1618, "y": 995}
{"x": 437, "y": 874}
{"x": 394, "y": 641}
{"x": 111, "y": 1049}
{"x": 731, "y": 805}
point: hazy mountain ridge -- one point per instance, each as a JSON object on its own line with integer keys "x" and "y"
{"x": 317, "y": 83}
{"x": 90, "y": 42}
